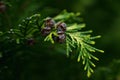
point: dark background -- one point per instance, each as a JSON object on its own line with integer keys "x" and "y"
{"x": 44, "y": 63}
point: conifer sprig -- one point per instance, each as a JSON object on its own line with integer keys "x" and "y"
{"x": 80, "y": 40}
{"x": 65, "y": 28}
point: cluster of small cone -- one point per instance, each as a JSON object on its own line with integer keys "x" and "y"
{"x": 60, "y": 27}
{"x": 30, "y": 41}
{"x": 49, "y": 24}
{"x": 2, "y": 7}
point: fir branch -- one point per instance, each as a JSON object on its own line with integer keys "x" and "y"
{"x": 83, "y": 42}
{"x": 80, "y": 40}
{"x": 75, "y": 38}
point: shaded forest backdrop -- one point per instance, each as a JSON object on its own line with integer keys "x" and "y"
{"x": 42, "y": 63}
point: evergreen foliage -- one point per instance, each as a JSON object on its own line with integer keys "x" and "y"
{"x": 76, "y": 39}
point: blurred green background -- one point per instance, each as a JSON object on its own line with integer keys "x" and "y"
{"x": 42, "y": 63}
